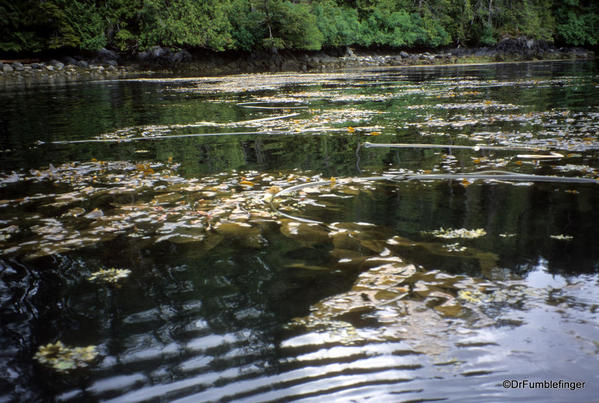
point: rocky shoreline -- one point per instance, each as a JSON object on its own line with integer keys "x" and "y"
{"x": 107, "y": 64}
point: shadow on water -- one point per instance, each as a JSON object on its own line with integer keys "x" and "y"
{"x": 409, "y": 290}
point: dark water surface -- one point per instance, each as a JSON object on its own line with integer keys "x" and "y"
{"x": 396, "y": 290}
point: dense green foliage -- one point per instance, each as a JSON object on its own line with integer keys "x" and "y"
{"x": 128, "y": 25}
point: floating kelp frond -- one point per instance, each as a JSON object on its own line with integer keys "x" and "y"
{"x": 101, "y": 200}
{"x": 473, "y": 296}
{"x": 455, "y": 247}
{"x": 562, "y": 237}
{"x": 111, "y": 275}
{"x": 458, "y": 233}
{"x": 63, "y": 359}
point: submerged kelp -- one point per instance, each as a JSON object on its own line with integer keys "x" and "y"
{"x": 102, "y": 200}
{"x": 395, "y": 301}
{"x": 98, "y": 201}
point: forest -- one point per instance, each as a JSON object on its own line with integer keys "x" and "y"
{"x": 34, "y": 26}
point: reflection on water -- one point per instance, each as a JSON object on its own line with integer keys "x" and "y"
{"x": 406, "y": 290}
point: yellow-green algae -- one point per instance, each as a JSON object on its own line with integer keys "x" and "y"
{"x": 63, "y": 358}
{"x": 111, "y": 275}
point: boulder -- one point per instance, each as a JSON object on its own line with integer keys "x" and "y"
{"x": 484, "y": 51}
{"x": 56, "y": 64}
{"x": 459, "y": 52}
{"x": 82, "y": 63}
{"x": 180, "y": 57}
{"x": 142, "y": 56}
{"x": 164, "y": 56}
{"x": 69, "y": 60}
{"x": 577, "y": 52}
{"x": 404, "y": 54}
{"x": 326, "y": 59}
{"x": 105, "y": 54}
{"x": 522, "y": 46}
{"x": 7, "y": 68}
{"x": 18, "y": 66}
{"x": 157, "y": 52}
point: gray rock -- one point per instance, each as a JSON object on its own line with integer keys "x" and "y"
{"x": 180, "y": 57}
{"x": 7, "y": 68}
{"x": 82, "y": 63}
{"x": 522, "y": 46}
{"x": 326, "y": 59}
{"x": 484, "y": 51}
{"x": 49, "y": 68}
{"x": 18, "y": 66}
{"x": 578, "y": 52}
{"x": 404, "y": 54}
{"x": 57, "y": 65}
{"x": 142, "y": 56}
{"x": 158, "y": 51}
{"x": 111, "y": 63}
{"x": 69, "y": 60}
{"x": 105, "y": 54}
{"x": 36, "y": 66}
{"x": 313, "y": 63}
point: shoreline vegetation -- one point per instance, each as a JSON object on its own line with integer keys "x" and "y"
{"x": 97, "y": 39}
{"x": 158, "y": 61}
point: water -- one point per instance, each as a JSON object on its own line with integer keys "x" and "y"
{"x": 227, "y": 300}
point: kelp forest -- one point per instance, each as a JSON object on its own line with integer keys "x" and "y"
{"x": 351, "y": 232}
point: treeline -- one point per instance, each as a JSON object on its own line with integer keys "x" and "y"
{"x": 30, "y": 26}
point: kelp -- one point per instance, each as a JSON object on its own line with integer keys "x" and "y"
{"x": 562, "y": 237}
{"x": 64, "y": 359}
{"x": 144, "y": 200}
{"x": 409, "y": 303}
{"x": 311, "y": 121}
{"x": 99, "y": 201}
{"x": 111, "y": 276}
{"x": 458, "y": 233}
{"x": 450, "y": 107}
